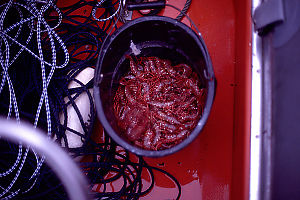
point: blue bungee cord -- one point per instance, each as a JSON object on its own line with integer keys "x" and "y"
{"x": 107, "y": 18}
{"x": 12, "y": 103}
{"x": 46, "y": 80}
{"x": 37, "y": 15}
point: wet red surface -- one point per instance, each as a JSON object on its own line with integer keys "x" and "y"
{"x": 215, "y": 166}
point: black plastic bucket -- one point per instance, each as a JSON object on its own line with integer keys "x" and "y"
{"x": 165, "y": 38}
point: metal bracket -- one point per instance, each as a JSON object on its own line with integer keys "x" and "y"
{"x": 267, "y": 15}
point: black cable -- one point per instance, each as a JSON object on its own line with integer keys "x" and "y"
{"x": 184, "y": 10}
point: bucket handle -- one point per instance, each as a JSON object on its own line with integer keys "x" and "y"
{"x": 146, "y": 5}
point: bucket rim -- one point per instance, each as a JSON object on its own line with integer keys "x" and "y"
{"x": 210, "y": 89}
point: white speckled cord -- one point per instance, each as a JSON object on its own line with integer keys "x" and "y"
{"x": 107, "y": 18}
{"x": 36, "y": 15}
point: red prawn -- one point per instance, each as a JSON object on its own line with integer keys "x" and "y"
{"x": 158, "y": 105}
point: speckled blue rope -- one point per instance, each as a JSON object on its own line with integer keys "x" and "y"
{"x": 13, "y": 103}
{"x": 23, "y": 46}
{"x": 107, "y": 18}
{"x": 46, "y": 80}
{"x": 5, "y": 65}
{"x": 34, "y": 11}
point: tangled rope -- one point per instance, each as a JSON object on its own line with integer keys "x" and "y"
{"x": 45, "y": 47}
{"x": 31, "y": 20}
